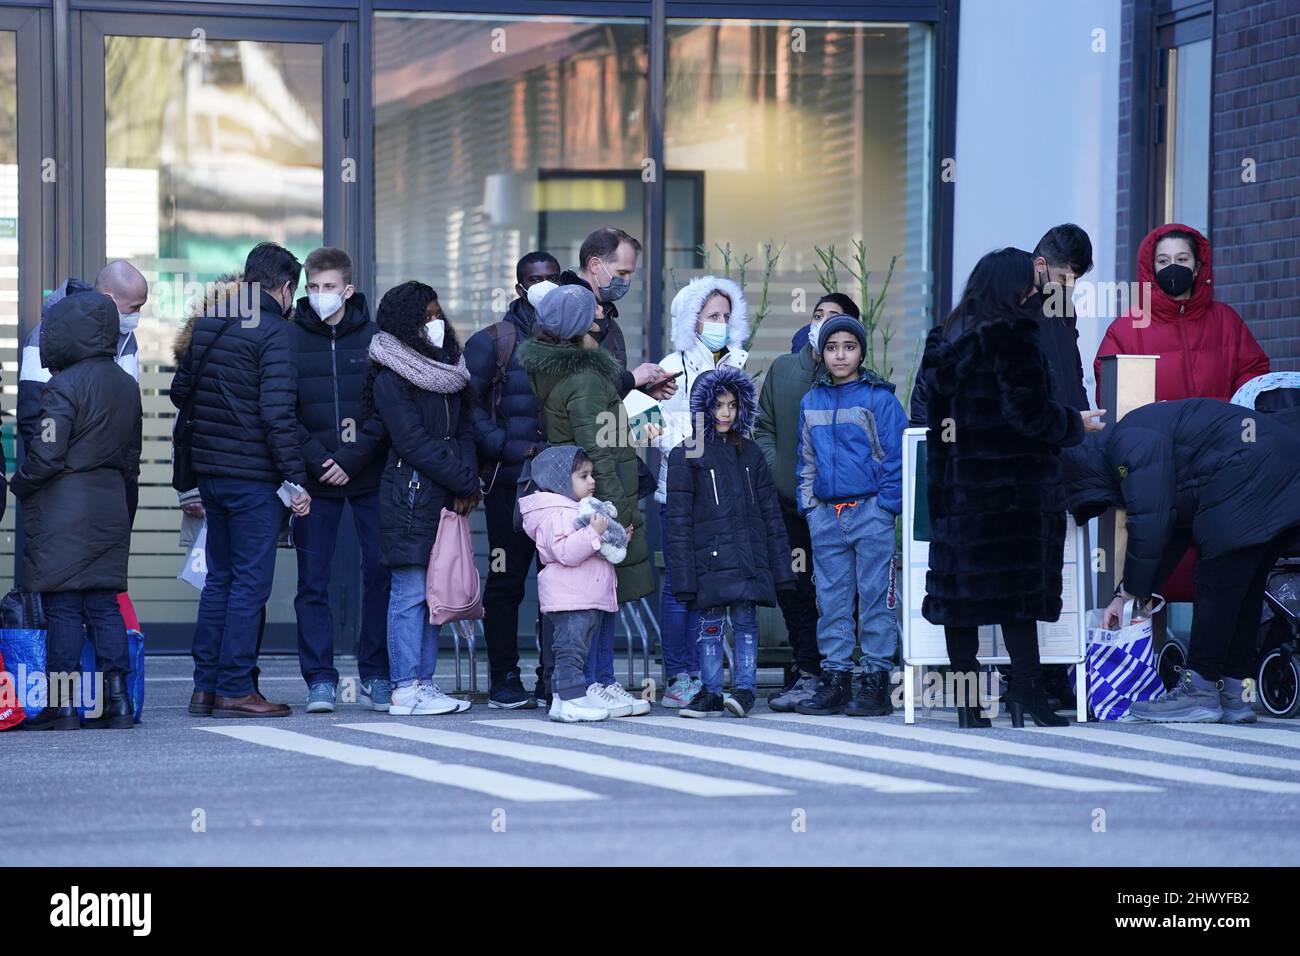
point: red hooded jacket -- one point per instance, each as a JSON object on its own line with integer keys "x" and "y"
{"x": 1205, "y": 349}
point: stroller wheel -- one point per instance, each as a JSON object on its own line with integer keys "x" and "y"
{"x": 1169, "y": 661}
{"x": 1279, "y": 683}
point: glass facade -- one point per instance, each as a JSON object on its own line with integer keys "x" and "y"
{"x": 9, "y": 251}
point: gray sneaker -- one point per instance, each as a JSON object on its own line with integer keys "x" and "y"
{"x": 1193, "y": 700}
{"x": 377, "y": 693}
{"x": 320, "y": 698}
{"x": 785, "y": 702}
{"x": 1232, "y": 698}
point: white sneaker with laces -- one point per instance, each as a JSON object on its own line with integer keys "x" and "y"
{"x": 404, "y": 700}
{"x": 577, "y": 710}
{"x": 678, "y": 692}
{"x": 431, "y": 700}
{"x": 639, "y": 707}
{"x": 616, "y": 706}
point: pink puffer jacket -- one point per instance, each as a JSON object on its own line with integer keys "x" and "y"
{"x": 575, "y": 577}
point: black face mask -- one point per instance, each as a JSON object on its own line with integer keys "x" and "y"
{"x": 602, "y": 329}
{"x": 1174, "y": 279}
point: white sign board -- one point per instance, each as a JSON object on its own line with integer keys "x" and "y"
{"x": 1063, "y": 641}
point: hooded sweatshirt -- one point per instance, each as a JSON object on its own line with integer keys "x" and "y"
{"x": 1205, "y": 349}
{"x": 574, "y": 576}
{"x": 693, "y": 358}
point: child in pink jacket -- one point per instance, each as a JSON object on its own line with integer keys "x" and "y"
{"x": 576, "y": 586}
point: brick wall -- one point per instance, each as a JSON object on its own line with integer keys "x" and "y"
{"x": 1256, "y": 226}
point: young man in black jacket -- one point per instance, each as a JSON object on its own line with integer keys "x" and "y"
{"x": 344, "y": 460}
{"x": 244, "y": 446}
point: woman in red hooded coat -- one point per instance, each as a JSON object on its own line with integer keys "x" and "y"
{"x": 1205, "y": 349}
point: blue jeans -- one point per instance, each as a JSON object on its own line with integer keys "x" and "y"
{"x": 600, "y": 657}
{"x": 314, "y": 537}
{"x": 68, "y": 616}
{"x": 744, "y": 628}
{"x": 412, "y": 640}
{"x": 677, "y": 623}
{"x": 243, "y": 525}
{"x": 852, "y": 552}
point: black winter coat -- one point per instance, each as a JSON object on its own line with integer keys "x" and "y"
{"x": 430, "y": 462}
{"x": 245, "y": 422}
{"x": 332, "y": 362}
{"x": 997, "y": 507}
{"x": 72, "y": 483}
{"x": 1218, "y": 475}
{"x": 614, "y": 343}
{"x": 513, "y": 428}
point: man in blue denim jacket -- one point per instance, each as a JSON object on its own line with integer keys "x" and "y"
{"x": 850, "y": 487}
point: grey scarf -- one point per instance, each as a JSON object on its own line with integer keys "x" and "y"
{"x": 418, "y": 369}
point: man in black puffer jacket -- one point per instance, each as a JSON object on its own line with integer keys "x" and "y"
{"x": 245, "y": 444}
{"x": 72, "y": 484}
{"x": 510, "y": 433}
{"x": 1215, "y": 475}
{"x": 344, "y": 458}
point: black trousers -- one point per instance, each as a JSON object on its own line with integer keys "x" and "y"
{"x": 1020, "y": 639}
{"x": 1226, "y": 612}
{"x": 799, "y": 606}
{"x": 512, "y": 554}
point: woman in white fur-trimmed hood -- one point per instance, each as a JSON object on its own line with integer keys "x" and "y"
{"x": 710, "y": 324}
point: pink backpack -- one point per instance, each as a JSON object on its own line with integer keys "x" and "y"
{"x": 451, "y": 585}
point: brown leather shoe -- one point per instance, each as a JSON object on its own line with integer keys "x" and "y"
{"x": 251, "y": 705}
{"x": 201, "y": 702}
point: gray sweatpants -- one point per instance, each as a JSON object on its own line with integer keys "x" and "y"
{"x": 572, "y": 632}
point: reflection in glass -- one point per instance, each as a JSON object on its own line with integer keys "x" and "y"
{"x": 210, "y": 149}
{"x": 495, "y": 136}
{"x": 1188, "y": 183}
{"x": 8, "y": 276}
{"x": 805, "y": 138}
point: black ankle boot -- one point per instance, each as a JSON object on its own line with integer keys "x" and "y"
{"x": 1028, "y": 697}
{"x": 54, "y": 718}
{"x": 833, "y": 693}
{"x": 116, "y": 714}
{"x": 969, "y": 718}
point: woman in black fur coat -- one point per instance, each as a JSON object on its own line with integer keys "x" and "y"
{"x": 997, "y": 508}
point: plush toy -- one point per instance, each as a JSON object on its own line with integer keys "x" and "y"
{"x": 613, "y": 543}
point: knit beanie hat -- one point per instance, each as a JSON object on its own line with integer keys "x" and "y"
{"x": 552, "y": 469}
{"x": 841, "y": 323}
{"x": 566, "y": 312}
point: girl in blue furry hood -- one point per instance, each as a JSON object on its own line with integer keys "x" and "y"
{"x": 725, "y": 538}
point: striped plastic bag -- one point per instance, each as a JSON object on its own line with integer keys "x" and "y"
{"x": 1121, "y": 663}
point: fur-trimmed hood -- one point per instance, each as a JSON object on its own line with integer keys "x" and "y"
{"x": 561, "y": 361}
{"x": 221, "y": 289}
{"x": 709, "y": 386}
{"x": 691, "y": 298}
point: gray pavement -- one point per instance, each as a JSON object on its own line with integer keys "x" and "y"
{"x": 497, "y": 787}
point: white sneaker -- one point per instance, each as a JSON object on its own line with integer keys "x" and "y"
{"x": 431, "y": 700}
{"x": 577, "y": 710}
{"x": 616, "y": 706}
{"x": 403, "y": 700}
{"x": 639, "y": 707}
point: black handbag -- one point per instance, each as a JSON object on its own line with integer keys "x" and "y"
{"x": 183, "y": 477}
{"x": 22, "y": 610}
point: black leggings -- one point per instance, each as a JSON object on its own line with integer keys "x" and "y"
{"x": 1021, "y": 641}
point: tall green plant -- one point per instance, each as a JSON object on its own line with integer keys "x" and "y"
{"x": 872, "y": 307}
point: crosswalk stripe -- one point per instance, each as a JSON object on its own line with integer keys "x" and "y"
{"x": 1164, "y": 745}
{"x": 508, "y": 786}
{"x": 969, "y": 740}
{"x": 809, "y": 770}
{"x": 942, "y": 763}
{"x": 1291, "y": 722}
{"x": 1243, "y": 733}
{"x": 697, "y": 785}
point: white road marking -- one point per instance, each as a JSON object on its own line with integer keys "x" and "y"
{"x": 960, "y": 766}
{"x": 975, "y": 740}
{"x": 697, "y": 785}
{"x": 507, "y": 786}
{"x": 1244, "y": 733}
{"x": 809, "y": 770}
{"x": 1164, "y": 745}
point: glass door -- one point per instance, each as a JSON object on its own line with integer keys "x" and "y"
{"x": 201, "y": 138}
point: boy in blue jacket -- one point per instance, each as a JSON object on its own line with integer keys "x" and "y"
{"x": 850, "y": 488}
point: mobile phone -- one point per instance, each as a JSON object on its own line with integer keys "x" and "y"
{"x": 664, "y": 381}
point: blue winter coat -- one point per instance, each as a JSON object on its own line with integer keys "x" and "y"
{"x": 851, "y": 443}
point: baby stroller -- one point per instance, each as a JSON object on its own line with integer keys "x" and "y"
{"x": 1277, "y": 664}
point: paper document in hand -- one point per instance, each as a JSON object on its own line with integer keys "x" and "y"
{"x": 642, "y": 410}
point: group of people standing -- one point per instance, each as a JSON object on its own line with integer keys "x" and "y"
{"x": 784, "y": 496}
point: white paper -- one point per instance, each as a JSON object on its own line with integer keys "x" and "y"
{"x": 195, "y": 570}
{"x": 288, "y": 491}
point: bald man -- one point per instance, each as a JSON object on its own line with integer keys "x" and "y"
{"x": 129, "y": 290}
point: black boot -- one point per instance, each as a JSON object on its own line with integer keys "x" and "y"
{"x": 969, "y": 718}
{"x": 872, "y": 697}
{"x": 116, "y": 713}
{"x": 54, "y": 718}
{"x": 833, "y": 693}
{"x": 1028, "y": 697}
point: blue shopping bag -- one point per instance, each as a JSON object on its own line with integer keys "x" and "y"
{"x": 24, "y": 653}
{"x": 134, "y": 678}
{"x": 1121, "y": 664}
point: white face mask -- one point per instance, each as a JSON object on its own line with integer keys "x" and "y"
{"x": 127, "y": 322}
{"x": 325, "y": 303}
{"x": 812, "y": 332}
{"x": 537, "y": 292}
{"x": 435, "y": 330}
{"x": 714, "y": 335}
